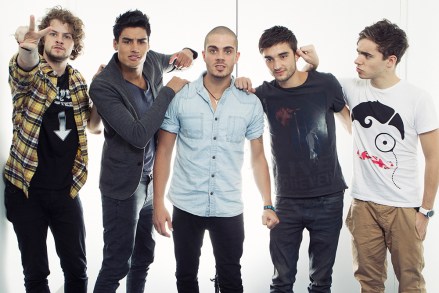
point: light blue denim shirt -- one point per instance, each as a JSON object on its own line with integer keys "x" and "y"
{"x": 206, "y": 178}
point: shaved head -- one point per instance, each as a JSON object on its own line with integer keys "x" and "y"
{"x": 221, "y": 30}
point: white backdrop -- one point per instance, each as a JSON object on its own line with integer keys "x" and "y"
{"x": 332, "y": 26}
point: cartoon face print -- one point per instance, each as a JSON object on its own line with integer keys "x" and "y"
{"x": 388, "y": 125}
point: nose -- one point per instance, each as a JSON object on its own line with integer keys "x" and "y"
{"x": 276, "y": 64}
{"x": 135, "y": 47}
{"x": 359, "y": 59}
{"x": 59, "y": 39}
{"x": 220, "y": 55}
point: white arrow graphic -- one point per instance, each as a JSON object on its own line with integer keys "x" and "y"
{"x": 62, "y": 132}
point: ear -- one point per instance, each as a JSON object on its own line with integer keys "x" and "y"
{"x": 237, "y": 57}
{"x": 115, "y": 45}
{"x": 391, "y": 61}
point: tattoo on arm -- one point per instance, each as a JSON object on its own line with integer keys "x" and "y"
{"x": 260, "y": 139}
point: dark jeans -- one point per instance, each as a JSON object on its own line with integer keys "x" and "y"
{"x": 128, "y": 241}
{"x": 322, "y": 217}
{"x": 31, "y": 218}
{"x": 227, "y": 236}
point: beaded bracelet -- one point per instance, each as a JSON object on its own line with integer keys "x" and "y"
{"x": 270, "y": 208}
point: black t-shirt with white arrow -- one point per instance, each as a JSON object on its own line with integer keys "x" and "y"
{"x": 58, "y": 141}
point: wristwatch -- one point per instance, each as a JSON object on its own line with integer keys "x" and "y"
{"x": 426, "y": 213}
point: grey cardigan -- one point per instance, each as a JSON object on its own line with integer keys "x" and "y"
{"x": 126, "y": 134}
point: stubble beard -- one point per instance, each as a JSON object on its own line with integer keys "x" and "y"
{"x": 281, "y": 80}
{"x": 54, "y": 58}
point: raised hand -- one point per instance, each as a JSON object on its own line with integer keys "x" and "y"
{"x": 182, "y": 59}
{"x": 27, "y": 37}
{"x": 309, "y": 55}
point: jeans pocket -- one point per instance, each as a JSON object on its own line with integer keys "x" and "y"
{"x": 417, "y": 233}
{"x": 348, "y": 221}
{"x": 334, "y": 203}
{"x": 14, "y": 199}
{"x": 10, "y": 188}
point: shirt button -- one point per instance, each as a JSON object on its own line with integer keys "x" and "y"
{"x": 214, "y": 138}
{"x": 213, "y": 175}
{"x": 211, "y": 193}
{"x": 213, "y": 157}
{"x": 216, "y": 118}
{"x": 139, "y": 163}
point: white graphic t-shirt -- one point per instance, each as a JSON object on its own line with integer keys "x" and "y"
{"x": 386, "y": 125}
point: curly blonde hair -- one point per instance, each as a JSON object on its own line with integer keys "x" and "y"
{"x": 65, "y": 16}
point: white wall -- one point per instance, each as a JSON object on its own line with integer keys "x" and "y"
{"x": 332, "y": 26}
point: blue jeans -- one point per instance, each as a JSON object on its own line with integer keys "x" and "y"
{"x": 322, "y": 217}
{"x": 31, "y": 218}
{"x": 128, "y": 241}
{"x": 227, "y": 236}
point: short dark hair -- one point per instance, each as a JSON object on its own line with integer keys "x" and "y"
{"x": 390, "y": 39}
{"x": 276, "y": 35}
{"x": 65, "y": 16}
{"x": 131, "y": 18}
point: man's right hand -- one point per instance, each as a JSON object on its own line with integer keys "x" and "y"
{"x": 176, "y": 83}
{"x": 26, "y": 36}
{"x": 160, "y": 218}
{"x": 245, "y": 84}
{"x": 309, "y": 55}
{"x": 100, "y": 68}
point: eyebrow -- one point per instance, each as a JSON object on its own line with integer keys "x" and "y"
{"x": 131, "y": 39}
{"x": 280, "y": 54}
{"x": 364, "y": 53}
{"x": 55, "y": 31}
{"x": 224, "y": 48}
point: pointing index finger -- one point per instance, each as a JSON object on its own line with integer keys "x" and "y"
{"x": 32, "y": 23}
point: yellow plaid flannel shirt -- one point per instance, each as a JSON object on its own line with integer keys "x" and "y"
{"x": 32, "y": 94}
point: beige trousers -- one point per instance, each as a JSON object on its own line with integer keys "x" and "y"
{"x": 376, "y": 228}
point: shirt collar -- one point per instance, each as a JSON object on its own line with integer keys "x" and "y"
{"x": 200, "y": 86}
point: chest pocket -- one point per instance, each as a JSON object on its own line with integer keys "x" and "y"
{"x": 192, "y": 126}
{"x": 236, "y": 129}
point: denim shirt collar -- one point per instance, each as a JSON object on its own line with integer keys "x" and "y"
{"x": 199, "y": 85}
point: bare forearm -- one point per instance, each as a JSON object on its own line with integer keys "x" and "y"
{"x": 262, "y": 179}
{"x": 345, "y": 119}
{"x": 27, "y": 59}
{"x": 260, "y": 170}
{"x": 431, "y": 179}
{"x": 430, "y": 143}
{"x": 162, "y": 166}
{"x": 94, "y": 124}
{"x": 161, "y": 174}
